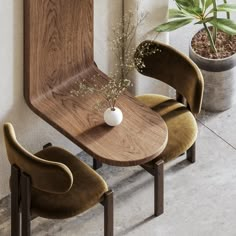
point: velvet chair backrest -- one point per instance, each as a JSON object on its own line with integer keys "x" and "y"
{"x": 45, "y": 175}
{"x": 173, "y": 68}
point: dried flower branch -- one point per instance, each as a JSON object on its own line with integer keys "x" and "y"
{"x": 145, "y": 49}
{"x": 110, "y": 91}
{"x": 123, "y": 35}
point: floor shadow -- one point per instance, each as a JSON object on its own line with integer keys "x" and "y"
{"x": 135, "y": 226}
{"x": 178, "y": 166}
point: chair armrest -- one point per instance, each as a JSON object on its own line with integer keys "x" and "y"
{"x": 49, "y": 176}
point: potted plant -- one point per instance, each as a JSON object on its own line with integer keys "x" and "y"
{"x": 213, "y": 48}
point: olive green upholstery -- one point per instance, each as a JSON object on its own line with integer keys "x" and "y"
{"x": 182, "y": 127}
{"x": 62, "y": 185}
{"x": 177, "y": 70}
{"x": 87, "y": 189}
{"x": 45, "y": 175}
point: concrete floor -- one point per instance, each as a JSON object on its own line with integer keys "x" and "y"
{"x": 199, "y": 198}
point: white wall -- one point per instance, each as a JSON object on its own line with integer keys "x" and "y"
{"x": 32, "y": 131}
{"x": 107, "y": 14}
{"x": 157, "y": 13}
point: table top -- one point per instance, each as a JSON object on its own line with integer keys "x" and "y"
{"x": 140, "y": 137}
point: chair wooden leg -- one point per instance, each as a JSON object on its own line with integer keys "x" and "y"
{"x": 15, "y": 201}
{"x": 25, "y": 204}
{"x": 191, "y": 154}
{"x": 108, "y": 214}
{"x": 159, "y": 188}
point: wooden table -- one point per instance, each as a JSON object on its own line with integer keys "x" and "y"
{"x": 141, "y": 136}
{"x": 58, "y": 52}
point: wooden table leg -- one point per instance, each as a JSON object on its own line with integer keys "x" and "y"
{"x": 96, "y": 164}
{"x": 159, "y": 188}
{"x": 47, "y": 145}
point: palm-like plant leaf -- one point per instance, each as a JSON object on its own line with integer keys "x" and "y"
{"x": 203, "y": 3}
{"x": 192, "y": 11}
{"x": 206, "y": 4}
{"x": 206, "y": 20}
{"x": 197, "y": 3}
{"x": 226, "y": 25}
{"x": 227, "y": 7}
{"x": 173, "y": 25}
{"x": 185, "y": 3}
{"x": 199, "y": 10}
{"x": 176, "y": 13}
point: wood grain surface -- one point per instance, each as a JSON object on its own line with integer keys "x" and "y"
{"x": 59, "y": 52}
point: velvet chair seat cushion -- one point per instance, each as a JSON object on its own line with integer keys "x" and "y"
{"x": 182, "y": 126}
{"x": 87, "y": 188}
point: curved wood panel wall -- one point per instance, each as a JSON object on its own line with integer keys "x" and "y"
{"x": 58, "y": 42}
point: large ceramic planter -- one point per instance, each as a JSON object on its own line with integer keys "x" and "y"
{"x": 220, "y": 81}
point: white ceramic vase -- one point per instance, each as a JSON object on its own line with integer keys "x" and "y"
{"x": 113, "y": 117}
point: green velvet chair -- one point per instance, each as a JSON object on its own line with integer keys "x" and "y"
{"x": 178, "y": 71}
{"x": 52, "y": 184}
